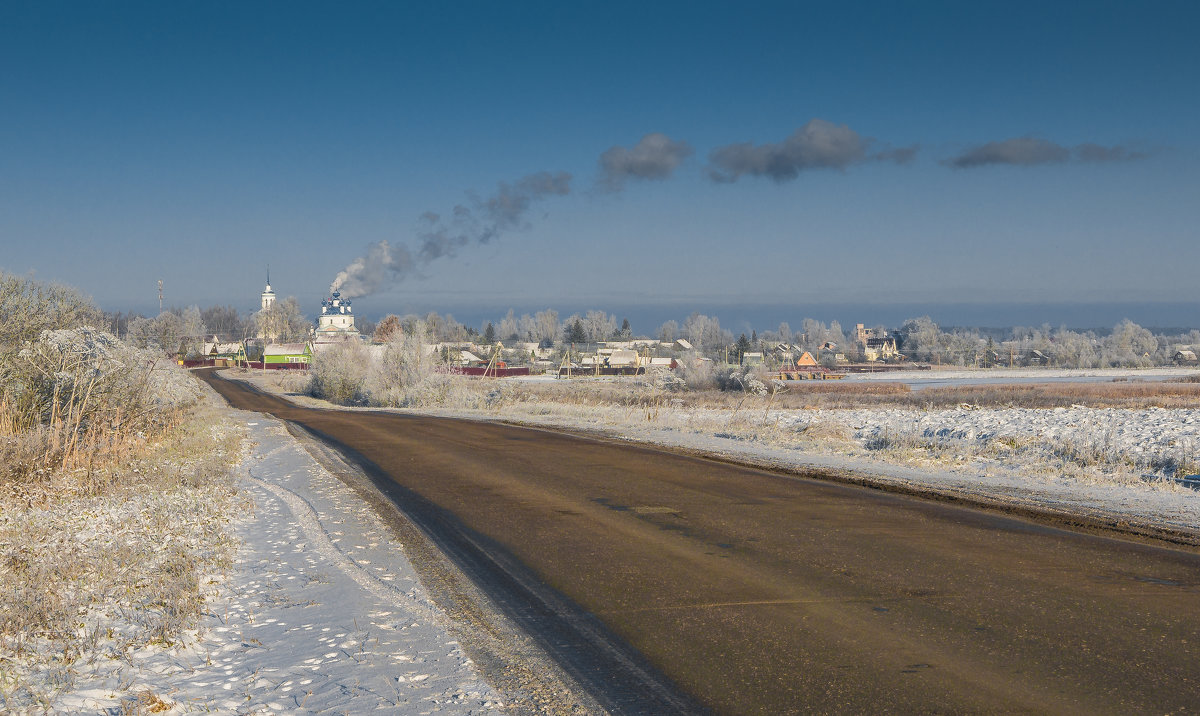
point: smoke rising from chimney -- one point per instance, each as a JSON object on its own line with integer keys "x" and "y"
{"x": 439, "y": 236}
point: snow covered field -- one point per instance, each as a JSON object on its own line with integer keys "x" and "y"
{"x": 944, "y": 378}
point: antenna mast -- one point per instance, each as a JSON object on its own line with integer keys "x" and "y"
{"x": 160, "y": 295}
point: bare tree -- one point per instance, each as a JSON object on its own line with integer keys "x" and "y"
{"x": 223, "y": 320}
{"x": 388, "y": 327}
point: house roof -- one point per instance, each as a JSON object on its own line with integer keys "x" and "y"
{"x": 286, "y": 349}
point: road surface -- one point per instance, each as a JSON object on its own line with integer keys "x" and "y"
{"x": 743, "y": 591}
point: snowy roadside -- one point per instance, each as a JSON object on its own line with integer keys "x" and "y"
{"x": 321, "y": 611}
{"x": 1101, "y": 463}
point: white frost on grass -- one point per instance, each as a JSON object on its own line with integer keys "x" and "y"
{"x": 1021, "y": 374}
{"x": 321, "y": 612}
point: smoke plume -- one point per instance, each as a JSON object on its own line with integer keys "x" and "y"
{"x": 817, "y": 145}
{"x": 1031, "y": 151}
{"x": 367, "y": 273}
{"x": 438, "y": 236}
{"x": 656, "y": 156}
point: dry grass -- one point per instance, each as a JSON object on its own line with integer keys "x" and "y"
{"x": 1119, "y": 394}
{"x": 104, "y": 558}
{"x": 835, "y": 394}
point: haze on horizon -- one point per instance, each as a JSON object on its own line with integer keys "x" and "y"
{"x": 483, "y": 156}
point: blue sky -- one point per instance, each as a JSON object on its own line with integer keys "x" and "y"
{"x": 865, "y": 153}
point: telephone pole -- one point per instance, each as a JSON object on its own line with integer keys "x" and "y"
{"x": 160, "y": 295}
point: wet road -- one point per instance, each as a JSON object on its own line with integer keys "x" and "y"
{"x": 760, "y": 593}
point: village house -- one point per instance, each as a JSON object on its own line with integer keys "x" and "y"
{"x": 292, "y": 356}
{"x": 877, "y": 344}
{"x": 881, "y": 349}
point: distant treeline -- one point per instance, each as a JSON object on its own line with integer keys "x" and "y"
{"x": 919, "y": 339}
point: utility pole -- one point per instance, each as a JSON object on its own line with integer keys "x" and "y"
{"x": 160, "y": 295}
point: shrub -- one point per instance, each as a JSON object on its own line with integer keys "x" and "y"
{"x": 339, "y": 373}
{"x": 741, "y": 379}
{"x": 697, "y": 374}
{"x": 79, "y": 397}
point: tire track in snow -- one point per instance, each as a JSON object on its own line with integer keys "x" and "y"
{"x": 309, "y": 522}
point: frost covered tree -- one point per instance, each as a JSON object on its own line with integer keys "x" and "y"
{"x": 1128, "y": 345}
{"x": 1076, "y": 350}
{"x": 193, "y": 330}
{"x": 922, "y": 339}
{"x": 162, "y": 332}
{"x": 547, "y": 326}
{"x": 452, "y": 330}
{"x": 28, "y": 307}
{"x": 193, "y": 322}
{"x": 668, "y": 332}
{"x": 527, "y": 328}
{"x": 507, "y": 329}
{"x": 705, "y": 332}
{"x": 282, "y": 322}
{"x": 489, "y": 334}
{"x": 599, "y": 326}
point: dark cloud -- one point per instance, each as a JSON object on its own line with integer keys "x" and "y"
{"x": 1030, "y": 151}
{"x": 439, "y": 236}
{"x": 1022, "y": 151}
{"x": 656, "y": 156}
{"x": 817, "y": 145}
{"x": 1088, "y": 152}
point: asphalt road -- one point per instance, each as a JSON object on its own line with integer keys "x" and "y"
{"x": 752, "y": 592}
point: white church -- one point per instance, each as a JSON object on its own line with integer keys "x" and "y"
{"x": 336, "y": 322}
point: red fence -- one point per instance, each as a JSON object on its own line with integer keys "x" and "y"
{"x": 493, "y": 372}
{"x": 221, "y": 362}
